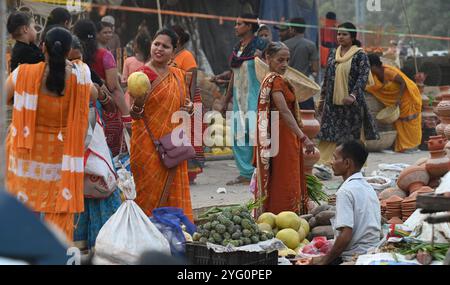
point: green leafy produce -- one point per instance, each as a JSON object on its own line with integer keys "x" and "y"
{"x": 315, "y": 189}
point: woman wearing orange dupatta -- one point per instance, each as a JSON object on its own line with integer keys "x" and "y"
{"x": 157, "y": 108}
{"x": 280, "y": 171}
{"x": 392, "y": 87}
{"x": 45, "y": 143}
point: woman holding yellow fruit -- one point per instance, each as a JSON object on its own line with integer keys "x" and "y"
{"x": 155, "y": 108}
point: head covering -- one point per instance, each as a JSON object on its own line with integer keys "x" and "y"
{"x": 281, "y": 27}
{"x": 109, "y": 19}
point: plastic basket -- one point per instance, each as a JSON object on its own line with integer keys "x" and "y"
{"x": 199, "y": 254}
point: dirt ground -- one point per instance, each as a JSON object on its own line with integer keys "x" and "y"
{"x": 218, "y": 173}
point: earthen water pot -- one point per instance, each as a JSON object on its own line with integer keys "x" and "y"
{"x": 443, "y": 108}
{"x": 438, "y": 165}
{"x": 413, "y": 178}
{"x": 311, "y": 126}
{"x": 436, "y": 143}
{"x": 310, "y": 160}
{"x": 440, "y": 129}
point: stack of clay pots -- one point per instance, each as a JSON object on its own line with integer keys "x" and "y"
{"x": 311, "y": 128}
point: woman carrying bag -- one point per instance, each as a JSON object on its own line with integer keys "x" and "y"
{"x": 156, "y": 184}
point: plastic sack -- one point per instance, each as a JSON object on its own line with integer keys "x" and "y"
{"x": 128, "y": 233}
{"x": 169, "y": 221}
{"x": 100, "y": 179}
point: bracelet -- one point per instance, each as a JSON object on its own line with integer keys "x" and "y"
{"x": 126, "y": 119}
{"x": 138, "y": 110}
{"x": 105, "y": 101}
{"x": 354, "y": 97}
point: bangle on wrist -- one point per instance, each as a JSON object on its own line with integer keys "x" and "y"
{"x": 353, "y": 96}
{"x": 105, "y": 101}
{"x": 137, "y": 109}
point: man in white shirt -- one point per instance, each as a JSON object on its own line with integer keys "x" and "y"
{"x": 358, "y": 218}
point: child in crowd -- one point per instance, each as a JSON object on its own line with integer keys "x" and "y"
{"x": 21, "y": 26}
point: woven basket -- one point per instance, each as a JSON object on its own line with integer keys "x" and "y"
{"x": 304, "y": 87}
{"x": 389, "y": 115}
{"x": 386, "y": 141}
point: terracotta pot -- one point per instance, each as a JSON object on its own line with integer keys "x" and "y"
{"x": 438, "y": 165}
{"x": 311, "y": 126}
{"x": 413, "y": 178}
{"x": 440, "y": 129}
{"x": 310, "y": 160}
{"x": 436, "y": 143}
{"x": 443, "y": 108}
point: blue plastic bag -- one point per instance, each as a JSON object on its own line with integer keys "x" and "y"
{"x": 169, "y": 221}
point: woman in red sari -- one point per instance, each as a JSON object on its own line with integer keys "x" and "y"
{"x": 168, "y": 95}
{"x": 279, "y": 153}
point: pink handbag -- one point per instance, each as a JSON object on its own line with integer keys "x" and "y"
{"x": 173, "y": 153}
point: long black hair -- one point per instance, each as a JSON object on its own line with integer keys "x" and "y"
{"x": 375, "y": 60}
{"x": 58, "y": 43}
{"x": 59, "y": 16}
{"x": 143, "y": 43}
{"x": 183, "y": 37}
{"x": 87, "y": 33}
{"x": 255, "y": 25}
{"x": 353, "y": 32}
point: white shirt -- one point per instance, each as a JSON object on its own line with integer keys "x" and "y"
{"x": 358, "y": 208}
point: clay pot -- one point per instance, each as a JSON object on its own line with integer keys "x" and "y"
{"x": 311, "y": 126}
{"x": 413, "y": 178}
{"x": 310, "y": 160}
{"x": 443, "y": 108}
{"x": 440, "y": 129}
{"x": 438, "y": 165}
{"x": 436, "y": 143}
{"x": 395, "y": 221}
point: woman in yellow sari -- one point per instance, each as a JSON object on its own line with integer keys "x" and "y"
{"x": 393, "y": 87}
{"x": 156, "y": 109}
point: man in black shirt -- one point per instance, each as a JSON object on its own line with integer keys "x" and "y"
{"x": 21, "y": 27}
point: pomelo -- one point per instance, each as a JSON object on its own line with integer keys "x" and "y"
{"x": 268, "y": 218}
{"x": 289, "y": 237}
{"x": 288, "y": 220}
{"x": 138, "y": 84}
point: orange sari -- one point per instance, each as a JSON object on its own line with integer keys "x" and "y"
{"x": 281, "y": 178}
{"x": 150, "y": 175}
{"x": 44, "y": 169}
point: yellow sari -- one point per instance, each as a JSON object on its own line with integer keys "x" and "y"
{"x": 409, "y": 126}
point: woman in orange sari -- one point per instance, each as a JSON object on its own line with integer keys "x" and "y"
{"x": 392, "y": 87}
{"x": 168, "y": 95}
{"x": 280, "y": 171}
{"x": 45, "y": 143}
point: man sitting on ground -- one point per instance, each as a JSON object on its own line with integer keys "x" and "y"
{"x": 357, "y": 223}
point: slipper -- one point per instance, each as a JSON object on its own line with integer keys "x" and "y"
{"x": 238, "y": 181}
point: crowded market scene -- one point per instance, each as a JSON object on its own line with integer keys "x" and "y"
{"x": 243, "y": 132}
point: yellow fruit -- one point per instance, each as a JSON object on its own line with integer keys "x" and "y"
{"x": 288, "y": 220}
{"x": 265, "y": 228}
{"x": 287, "y": 252}
{"x": 301, "y": 234}
{"x": 188, "y": 237}
{"x": 268, "y": 218}
{"x": 138, "y": 84}
{"x": 289, "y": 237}
{"x": 305, "y": 226}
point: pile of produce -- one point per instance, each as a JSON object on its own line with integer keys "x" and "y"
{"x": 425, "y": 253}
{"x": 230, "y": 226}
{"x": 219, "y": 137}
{"x": 287, "y": 227}
{"x": 320, "y": 223}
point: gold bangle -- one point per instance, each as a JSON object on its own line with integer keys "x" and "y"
{"x": 137, "y": 110}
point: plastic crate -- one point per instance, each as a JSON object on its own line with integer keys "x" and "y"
{"x": 199, "y": 254}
